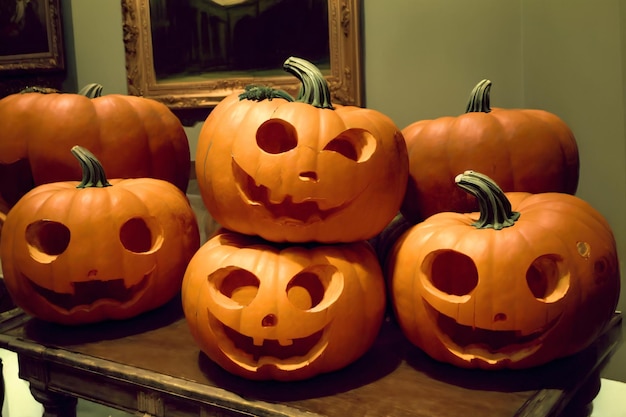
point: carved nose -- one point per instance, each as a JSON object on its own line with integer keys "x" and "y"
{"x": 269, "y": 321}
{"x": 308, "y": 176}
{"x": 499, "y": 317}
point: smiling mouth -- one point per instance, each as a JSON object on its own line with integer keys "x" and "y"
{"x": 88, "y": 293}
{"x": 252, "y": 353}
{"x": 492, "y": 346}
{"x": 259, "y": 195}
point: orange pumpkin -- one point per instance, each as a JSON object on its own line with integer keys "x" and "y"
{"x": 300, "y": 170}
{"x": 265, "y": 311}
{"x": 531, "y": 278}
{"x": 521, "y": 149}
{"x": 133, "y": 137}
{"x": 82, "y": 252}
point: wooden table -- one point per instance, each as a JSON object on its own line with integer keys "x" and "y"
{"x": 151, "y": 365}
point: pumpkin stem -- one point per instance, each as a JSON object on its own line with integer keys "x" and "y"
{"x": 261, "y": 92}
{"x": 479, "y": 98}
{"x": 314, "y": 89}
{"x": 40, "y": 90}
{"x": 92, "y": 90}
{"x": 495, "y": 208}
{"x": 93, "y": 172}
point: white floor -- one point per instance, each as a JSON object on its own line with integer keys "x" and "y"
{"x": 610, "y": 402}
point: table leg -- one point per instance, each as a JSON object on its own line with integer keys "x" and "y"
{"x": 55, "y": 404}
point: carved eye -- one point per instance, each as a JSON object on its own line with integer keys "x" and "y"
{"x": 136, "y": 235}
{"x": 547, "y": 279}
{"x": 47, "y": 240}
{"x": 305, "y": 291}
{"x": 312, "y": 287}
{"x": 237, "y": 284}
{"x": 451, "y": 272}
{"x": 276, "y": 136}
{"x": 355, "y": 144}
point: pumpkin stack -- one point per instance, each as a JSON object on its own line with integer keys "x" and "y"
{"x": 290, "y": 288}
{"x": 493, "y": 279}
{"x": 76, "y": 252}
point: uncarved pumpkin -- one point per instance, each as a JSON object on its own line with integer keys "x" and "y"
{"x": 300, "y": 170}
{"x": 528, "y": 279}
{"x": 263, "y": 311}
{"x": 133, "y": 137}
{"x": 81, "y": 252}
{"x": 520, "y": 149}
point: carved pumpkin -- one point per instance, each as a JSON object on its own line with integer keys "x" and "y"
{"x": 133, "y": 137}
{"x": 84, "y": 252}
{"x": 300, "y": 170}
{"x": 264, "y": 311}
{"x": 535, "y": 278}
{"x": 521, "y": 149}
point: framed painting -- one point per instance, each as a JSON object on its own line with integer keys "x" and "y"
{"x": 193, "y": 53}
{"x": 30, "y": 36}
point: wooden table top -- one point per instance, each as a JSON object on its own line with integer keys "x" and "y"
{"x": 394, "y": 378}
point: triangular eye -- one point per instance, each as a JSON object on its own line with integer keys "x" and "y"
{"x": 355, "y": 144}
{"x": 276, "y": 136}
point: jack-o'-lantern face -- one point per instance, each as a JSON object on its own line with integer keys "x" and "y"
{"x": 50, "y": 244}
{"x": 264, "y": 312}
{"x": 538, "y": 289}
{"x": 310, "y": 191}
{"x": 479, "y": 319}
{"x": 290, "y": 171}
{"x": 78, "y": 255}
{"x": 274, "y": 322}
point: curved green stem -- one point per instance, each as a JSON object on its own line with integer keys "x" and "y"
{"x": 261, "y": 92}
{"x": 314, "y": 89}
{"x": 479, "y": 98}
{"x": 92, "y": 90}
{"x": 495, "y": 208}
{"x": 93, "y": 172}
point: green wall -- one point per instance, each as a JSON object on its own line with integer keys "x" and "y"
{"x": 422, "y": 57}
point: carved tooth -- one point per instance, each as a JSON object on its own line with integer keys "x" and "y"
{"x": 285, "y": 342}
{"x": 258, "y": 341}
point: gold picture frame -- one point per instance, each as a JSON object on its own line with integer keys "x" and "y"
{"x": 344, "y": 74}
{"x": 31, "y": 37}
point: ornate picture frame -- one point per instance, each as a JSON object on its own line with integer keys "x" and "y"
{"x": 31, "y": 38}
{"x": 344, "y": 73}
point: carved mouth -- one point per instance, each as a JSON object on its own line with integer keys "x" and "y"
{"x": 90, "y": 293}
{"x": 259, "y": 195}
{"x": 253, "y": 353}
{"x": 491, "y": 346}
